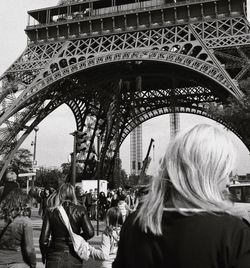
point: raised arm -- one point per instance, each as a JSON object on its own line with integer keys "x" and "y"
{"x": 87, "y": 227}
{"x": 103, "y": 252}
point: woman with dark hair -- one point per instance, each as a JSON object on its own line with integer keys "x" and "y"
{"x": 114, "y": 200}
{"x": 9, "y": 185}
{"x": 16, "y": 233}
{"x": 58, "y": 251}
{"x": 110, "y": 237}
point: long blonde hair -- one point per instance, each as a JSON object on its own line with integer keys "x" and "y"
{"x": 193, "y": 174}
{"x": 66, "y": 193}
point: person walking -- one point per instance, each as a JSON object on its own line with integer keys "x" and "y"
{"x": 93, "y": 209}
{"x": 114, "y": 200}
{"x": 102, "y": 205}
{"x": 58, "y": 250}
{"x": 110, "y": 237}
{"x": 10, "y": 184}
{"x": 88, "y": 202}
{"x": 185, "y": 219}
{"x": 43, "y": 202}
{"x": 16, "y": 234}
{"x": 131, "y": 199}
{"x": 123, "y": 207}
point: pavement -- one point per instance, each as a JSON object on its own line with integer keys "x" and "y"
{"x": 37, "y": 225}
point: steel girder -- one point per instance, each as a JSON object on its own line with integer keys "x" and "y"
{"x": 42, "y": 70}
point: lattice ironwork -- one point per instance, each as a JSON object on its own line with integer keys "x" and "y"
{"x": 226, "y": 32}
{"x": 200, "y": 66}
{"x": 54, "y": 72}
{"x": 168, "y": 110}
{"x": 178, "y": 39}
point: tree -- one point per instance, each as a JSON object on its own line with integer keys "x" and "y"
{"x": 22, "y": 161}
{"x": 49, "y": 178}
{"x": 235, "y": 113}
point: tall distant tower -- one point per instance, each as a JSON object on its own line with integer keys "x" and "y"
{"x": 174, "y": 124}
{"x": 136, "y": 151}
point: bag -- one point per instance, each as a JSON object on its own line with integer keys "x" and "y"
{"x": 81, "y": 247}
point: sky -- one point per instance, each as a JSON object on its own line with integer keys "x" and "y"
{"x": 54, "y": 143}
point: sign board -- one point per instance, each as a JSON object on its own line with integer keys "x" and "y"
{"x": 26, "y": 175}
{"x": 92, "y": 184}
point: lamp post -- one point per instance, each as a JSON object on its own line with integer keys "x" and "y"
{"x": 35, "y": 142}
{"x": 73, "y": 159}
{"x": 98, "y": 181}
{"x": 74, "y": 162}
{"x": 34, "y": 164}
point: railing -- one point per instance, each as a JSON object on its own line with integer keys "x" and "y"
{"x": 144, "y": 5}
{"x": 138, "y": 6}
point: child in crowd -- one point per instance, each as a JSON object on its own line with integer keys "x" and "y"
{"x": 123, "y": 207}
{"x": 107, "y": 251}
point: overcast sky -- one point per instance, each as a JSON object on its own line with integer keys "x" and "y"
{"x": 54, "y": 142}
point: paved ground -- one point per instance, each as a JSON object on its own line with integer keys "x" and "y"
{"x": 37, "y": 224}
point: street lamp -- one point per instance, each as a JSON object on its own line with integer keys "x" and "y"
{"x": 34, "y": 143}
{"x": 98, "y": 179}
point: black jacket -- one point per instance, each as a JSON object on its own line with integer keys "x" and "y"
{"x": 194, "y": 241}
{"x": 53, "y": 225}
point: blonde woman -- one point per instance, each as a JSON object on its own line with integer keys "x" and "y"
{"x": 55, "y": 243}
{"x": 184, "y": 220}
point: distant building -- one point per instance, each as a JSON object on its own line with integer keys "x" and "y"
{"x": 136, "y": 151}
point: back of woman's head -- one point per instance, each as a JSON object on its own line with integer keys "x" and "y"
{"x": 193, "y": 174}
{"x": 113, "y": 217}
{"x": 198, "y": 164}
{"x": 66, "y": 193}
{"x": 16, "y": 203}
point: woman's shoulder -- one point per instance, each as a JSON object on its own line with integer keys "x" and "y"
{"x": 225, "y": 218}
{"x": 76, "y": 208}
{"x": 131, "y": 222}
{"x": 234, "y": 221}
{"x": 207, "y": 220}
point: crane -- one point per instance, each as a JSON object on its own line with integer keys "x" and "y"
{"x": 145, "y": 164}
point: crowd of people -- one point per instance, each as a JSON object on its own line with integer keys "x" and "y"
{"x": 126, "y": 200}
{"x": 184, "y": 218}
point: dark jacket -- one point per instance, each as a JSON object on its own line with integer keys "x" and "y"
{"x": 16, "y": 244}
{"x": 195, "y": 241}
{"x": 88, "y": 200}
{"x": 53, "y": 225}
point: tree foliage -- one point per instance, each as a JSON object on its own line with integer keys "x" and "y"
{"x": 235, "y": 113}
{"x": 49, "y": 178}
{"x": 22, "y": 161}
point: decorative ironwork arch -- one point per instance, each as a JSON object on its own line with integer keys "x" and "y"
{"x": 205, "y": 68}
{"x": 143, "y": 117}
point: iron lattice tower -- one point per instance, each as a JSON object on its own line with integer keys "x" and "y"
{"x": 89, "y": 55}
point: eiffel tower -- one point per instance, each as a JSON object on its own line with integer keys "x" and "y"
{"x": 119, "y": 63}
